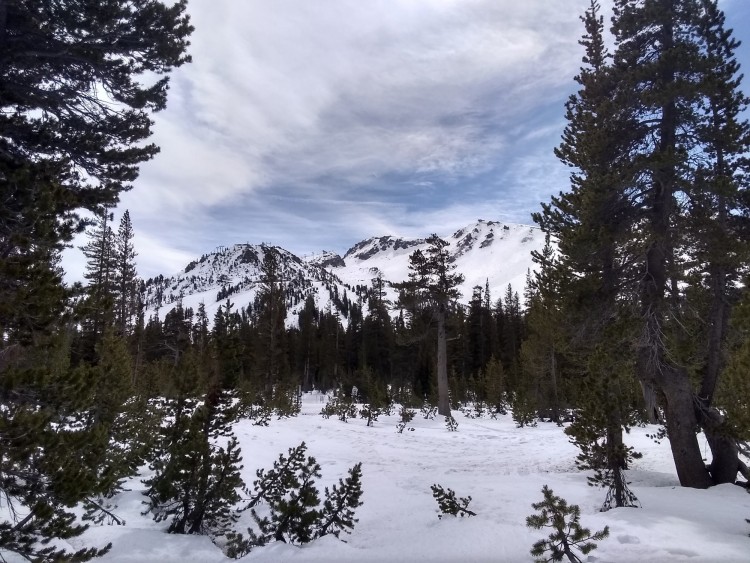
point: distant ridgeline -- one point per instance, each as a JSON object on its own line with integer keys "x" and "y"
{"x": 489, "y": 254}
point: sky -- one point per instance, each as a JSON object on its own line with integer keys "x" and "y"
{"x": 314, "y": 125}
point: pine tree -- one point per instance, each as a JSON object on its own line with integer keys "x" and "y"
{"x": 45, "y": 457}
{"x": 655, "y": 139}
{"x": 125, "y": 281}
{"x": 590, "y": 225}
{"x": 689, "y": 137}
{"x": 293, "y": 503}
{"x": 291, "y": 496}
{"x": 197, "y": 482}
{"x": 339, "y": 505}
{"x": 272, "y": 313}
{"x": 432, "y": 286}
{"x": 58, "y": 60}
{"x": 494, "y": 387}
{"x": 719, "y": 225}
{"x": 567, "y": 534}
{"x": 449, "y": 504}
{"x": 98, "y": 305}
{"x": 542, "y": 350}
{"x": 62, "y": 150}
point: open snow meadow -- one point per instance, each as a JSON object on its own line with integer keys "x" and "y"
{"x": 503, "y": 469}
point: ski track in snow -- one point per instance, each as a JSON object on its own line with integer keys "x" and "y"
{"x": 502, "y": 467}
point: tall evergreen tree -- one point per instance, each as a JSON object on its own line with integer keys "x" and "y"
{"x": 63, "y": 147}
{"x": 432, "y": 285}
{"x": 125, "y": 281}
{"x": 656, "y": 139}
{"x": 674, "y": 63}
{"x": 271, "y": 318}
{"x": 591, "y": 226}
{"x": 98, "y": 304}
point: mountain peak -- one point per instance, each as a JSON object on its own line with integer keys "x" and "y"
{"x": 484, "y": 251}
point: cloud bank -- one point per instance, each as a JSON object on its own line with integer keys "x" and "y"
{"x": 313, "y": 124}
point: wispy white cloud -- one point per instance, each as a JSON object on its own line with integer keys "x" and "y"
{"x": 314, "y": 123}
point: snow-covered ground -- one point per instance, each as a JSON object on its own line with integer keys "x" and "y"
{"x": 502, "y": 467}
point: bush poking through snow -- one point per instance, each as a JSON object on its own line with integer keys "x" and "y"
{"x": 449, "y": 504}
{"x": 567, "y": 535}
{"x": 341, "y": 501}
{"x": 428, "y": 410}
{"x": 292, "y": 498}
{"x": 344, "y": 409}
{"x": 451, "y": 423}
{"x": 407, "y": 415}
{"x": 369, "y": 413}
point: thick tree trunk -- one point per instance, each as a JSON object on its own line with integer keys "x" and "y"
{"x": 725, "y": 461}
{"x": 444, "y": 405}
{"x": 681, "y": 420}
{"x": 681, "y": 429}
{"x": 616, "y": 452}
{"x": 724, "y": 451}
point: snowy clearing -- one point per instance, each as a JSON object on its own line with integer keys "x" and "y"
{"x": 502, "y": 467}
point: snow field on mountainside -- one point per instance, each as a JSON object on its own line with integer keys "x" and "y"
{"x": 485, "y": 252}
{"x": 502, "y": 467}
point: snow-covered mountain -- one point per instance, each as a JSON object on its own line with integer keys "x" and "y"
{"x": 484, "y": 252}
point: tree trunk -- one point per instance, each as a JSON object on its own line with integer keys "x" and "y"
{"x": 444, "y": 405}
{"x": 616, "y": 451}
{"x": 725, "y": 461}
{"x": 724, "y": 451}
{"x": 681, "y": 429}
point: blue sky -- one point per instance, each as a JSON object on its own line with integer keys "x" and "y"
{"x": 313, "y": 125}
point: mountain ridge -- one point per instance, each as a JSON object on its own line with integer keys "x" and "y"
{"x": 486, "y": 252}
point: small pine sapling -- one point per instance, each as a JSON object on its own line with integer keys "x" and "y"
{"x": 341, "y": 501}
{"x": 293, "y": 508}
{"x": 369, "y": 413}
{"x": 271, "y": 485}
{"x": 449, "y": 504}
{"x": 428, "y": 410}
{"x": 292, "y": 498}
{"x": 260, "y": 414}
{"x": 479, "y": 409}
{"x": 407, "y": 415}
{"x": 451, "y": 423}
{"x": 343, "y": 408}
{"x": 522, "y": 410}
{"x": 568, "y": 534}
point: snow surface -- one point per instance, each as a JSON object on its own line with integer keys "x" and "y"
{"x": 502, "y": 467}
